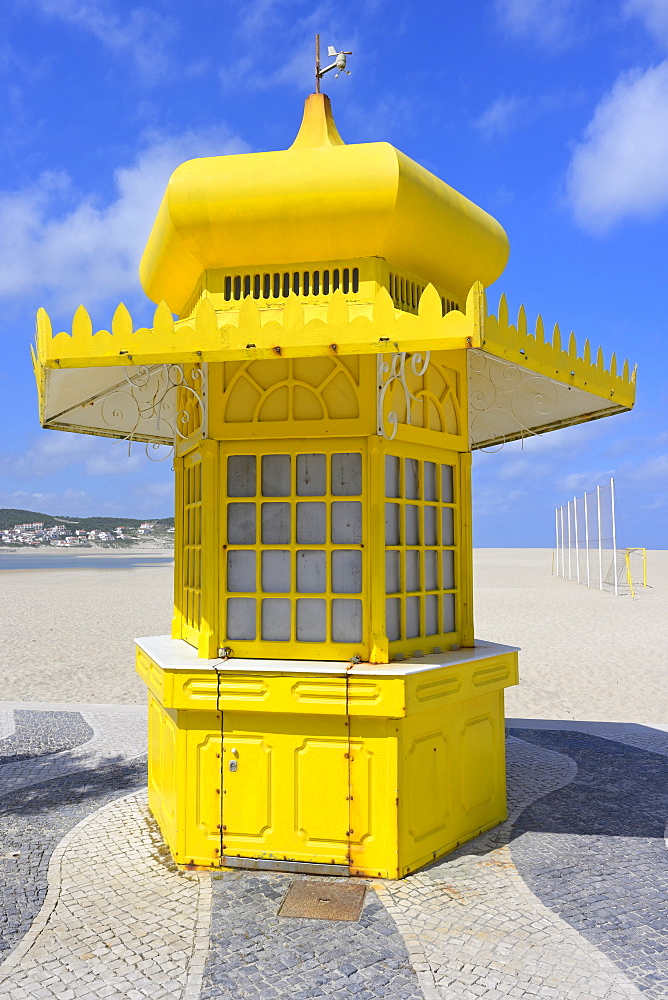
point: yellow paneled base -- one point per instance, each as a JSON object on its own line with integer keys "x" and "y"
{"x": 245, "y": 770}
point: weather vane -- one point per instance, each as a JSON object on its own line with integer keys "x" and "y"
{"x": 339, "y": 63}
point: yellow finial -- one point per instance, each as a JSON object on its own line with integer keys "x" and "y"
{"x": 318, "y": 127}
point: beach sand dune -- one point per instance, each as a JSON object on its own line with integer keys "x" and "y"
{"x": 67, "y": 636}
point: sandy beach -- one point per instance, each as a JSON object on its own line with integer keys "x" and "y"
{"x": 67, "y": 635}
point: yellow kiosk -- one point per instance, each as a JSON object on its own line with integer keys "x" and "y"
{"x": 321, "y": 704}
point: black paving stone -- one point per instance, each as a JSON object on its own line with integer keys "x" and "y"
{"x": 38, "y": 734}
{"x": 256, "y": 955}
{"x": 594, "y": 851}
{"x": 35, "y": 818}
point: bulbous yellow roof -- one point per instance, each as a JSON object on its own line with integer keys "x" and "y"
{"x": 319, "y": 200}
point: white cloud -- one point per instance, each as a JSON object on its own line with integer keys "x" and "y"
{"x": 51, "y": 453}
{"x": 654, "y": 13}
{"x": 620, "y": 168}
{"x": 509, "y": 112}
{"x": 501, "y": 116}
{"x": 138, "y": 32}
{"x": 579, "y": 482}
{"x": 549, "y": 23}
{"x": 90, "y": 252}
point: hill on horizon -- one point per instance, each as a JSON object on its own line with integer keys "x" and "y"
{"x": 9, "y": 516}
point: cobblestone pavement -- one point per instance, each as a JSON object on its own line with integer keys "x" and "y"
{"x": 566, "y": 899}
{"x": 258, "y": 955}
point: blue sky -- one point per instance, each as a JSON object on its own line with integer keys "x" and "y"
{"x": 551, "y": 114}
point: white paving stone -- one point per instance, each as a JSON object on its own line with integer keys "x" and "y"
{"x": 6, "y": 723}
{"x": 117, "y": 737}
{"x": 474, "y": 929}
{"x": 114, "y": 913}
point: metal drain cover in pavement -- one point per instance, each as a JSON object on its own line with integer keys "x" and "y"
{"x": 324, "y": 900}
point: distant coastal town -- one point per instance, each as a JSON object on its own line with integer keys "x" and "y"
{"x": 36, "y": 534}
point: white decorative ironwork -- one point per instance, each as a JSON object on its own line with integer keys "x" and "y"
{"x": 148, "y": 403}
{"x": 393, "y": 372}
{"x": 505, "y": 401}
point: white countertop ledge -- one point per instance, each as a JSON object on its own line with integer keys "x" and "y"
{"x": 175, "y": 654}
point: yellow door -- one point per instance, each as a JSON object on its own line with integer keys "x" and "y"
{"x": 286, "y": 794}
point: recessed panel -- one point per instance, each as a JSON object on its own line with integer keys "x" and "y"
{"x": 347, "y": 571}
{"x": 241, "y": 618}
{"x": 241, "y": 524}
{"x": 346, "y": 620}
{"x": 240, "y": 571}
{"x": 276, "y": 475}
{"x": 322, "y": 764}
{"x": 392, "y": 476}
{"x": 427, "y": 786}
{"x": 276, "y": 523}
{"x": 479, "y": 764}
{"x": 311, "y": 523}
{"x": 276, "y": 619}
{"x": 241, "y": 476}
{"x": 346, "y": 522}
{"x": 311, "y": 571}
{"x": 311, "y": 619}
{"x": 276, "y": 575}
{"x": 311, "y": 475}
{"x": 347, "y": 474}
{"x": 247, "y": 781}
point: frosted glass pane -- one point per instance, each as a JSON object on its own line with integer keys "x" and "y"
{"x": 429, "y": 473}
{"x": 347, "y": 474}
{"x": 347, "y": 571}
{"x": 241, "y": 571}
{"x": 412, "y": 515}
{"x": 392, "y": 578}
{"x": 448, "y": 613}
{"x": 241, "y": 476}
{"x": 447, "y": 495}
{"x": 431, "y": 614}
{"x": 392, "y": 532}
{"x": 311, "y": 619}
{"x": 448, "y": 526}
{"x": 276, "y": 476}
{"x": 275, "y": 523}
{"x": 241, "y": 524}
{"x": 346, "y": 522}
{"x": 311, "y": 523}
{"x": 240, "y": 618}
{"x": 412, "y": 617}
{"x": 311, "y": 572}
{"x": 431, "y": 570}
{"x": 430, "y": 530}
{"x": 311, "y": 475}
{"x": 412, "y": 479}
{"x": 392, "y": 483}
{"x": 412, "y": 570}
{"x": 346, "y": 620}
{"x": 393, "y": 618}
{"x": 276, "y": 619}
{"x": 448, "y": 578}
{"x": 276, "y": 572}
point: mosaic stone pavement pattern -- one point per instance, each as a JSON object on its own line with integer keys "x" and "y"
{"x": 568, "y": 898}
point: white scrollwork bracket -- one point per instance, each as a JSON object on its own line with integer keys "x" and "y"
{"x": 390, "y": 373}
{"x": 505, "y": 401}
{"x": 159, "y": 402}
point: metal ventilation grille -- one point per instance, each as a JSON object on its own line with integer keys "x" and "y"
{"x": 278, "y": 285}
{"x": 406, "y": 294}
